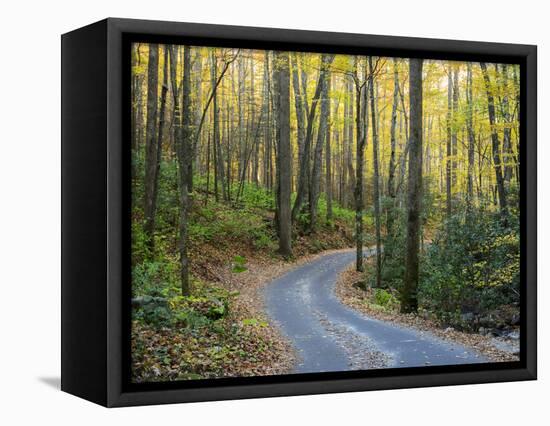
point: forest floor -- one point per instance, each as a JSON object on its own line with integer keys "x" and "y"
{"x": 349, "y": 291}
{"x": 242, "y": 341}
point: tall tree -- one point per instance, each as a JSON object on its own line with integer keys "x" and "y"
{"x": 183, "y": 143}
{"x": 471, "y": 137}
{"x": 185, "y": 151}
{"x": 315, "y": 181}
{"x": 448, "y": 161}
{"x": 361, "y": 136}
{"x": 348, "y": 144}
{"x": 409, "y": 302}
{"x": 137, "y": 108}
{"x": 507, "y": 131}
{"x": 267, "y": 169}
{"x": 301, "y": 193}
{"x": 454, "y": 128}
{"x": 392, "y": 165}
{"x": 328, "y": 159}
{"x": 284, "y": 161}
{"x": 303, "y": 151}
{"x": 218, "y": 158}
{"x": 376, "y": 175}
{"x": 151, "y": 140}
{"x": 151, "y": 220}
{"x": 495, "y": 144}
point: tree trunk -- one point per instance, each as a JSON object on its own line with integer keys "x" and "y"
{"x": 348, "y": 140}
{"x": 284, "y": 219}
{"x": 267, "y": 125}
{"x": 392, "y": 165}
{"x": 507, "y": 132}
{"x": 315, "y": 181}
{"x": 328, "y": 161}
{"x": 158, "y": 156}
{"x": 197, "y": 112}
{"x": 454, "y": 137}
{"x": 448, "y": 165}
{"x": 361, "y": 130}
{"x": 471, "y": 138}
{"x": 256, "y": 162}
{"x": 151, "y": 140}
{"x": 241, "y": 114}
{"x": 501, "y": 190}
{"x": 184, "y": 158}
{"x": 183, "y": 141}
{"x": 409, "y": 302}
{"x": 376, "y": 176}
{"x": 304, "y": 178}
{"x": 219, "y": 180}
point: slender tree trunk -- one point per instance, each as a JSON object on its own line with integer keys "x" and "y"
{"x": 501, "y": 190}
{"x": 197, "y": 111}
{"x": 184, "y": 158}
{"x": 328, "y": 160}
{"x": 151, "y": 140}
{"x": 349, "y": 143}
{"x": 471, "y": 138}
{"x": 314, "y": 190}
{"x": 360, "y": 128}
{"x": 448, "y": 162}
{"x": 158, "y": 156}
{"x": 241, "y": 114}
{"x": 392, "y": 165}
{"x": 282, "y": 81}
{"x": 216, "y": 131}
{"x": 256, "y": 162}
{"x": 301, "y": 194}
{"x": 454, "y": 134}
{"x": 507, "y": 132}
{"x": 207, "y": 170}
{"x": 218, "y": 157}
{"x": 409, "y": 302}
{"x": 183, "y": 142}
{"x": 267, "y": 125}
{"x": 137, "y": 113}
{"x": 376, "y": 176}
{"x": 303, "y": 152}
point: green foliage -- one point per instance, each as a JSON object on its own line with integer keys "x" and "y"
{"x": 207, "y": 305}
{"x": 384, "y": 298}
{"x": 381, "y": 300}
{"x": 472, "y": 266}
{"x": 239, "y": 264}
{"x": 156, "y": 278}
{"x": 254, "y": 196}
{"x": 254, "y": 322}
{"x": 245, "y": 221}
{"x": 393, "y": 257}
{"x": 159, "y": 315}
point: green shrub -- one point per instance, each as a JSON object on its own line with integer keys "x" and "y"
{"x": 239, "y": 264}
{"x": 472, "y": 266}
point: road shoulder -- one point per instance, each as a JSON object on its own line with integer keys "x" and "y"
{"x": 358, "y": 300}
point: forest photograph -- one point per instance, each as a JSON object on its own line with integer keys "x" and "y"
{"x": 296, "y": 212}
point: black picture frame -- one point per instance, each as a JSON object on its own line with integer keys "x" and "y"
{"x": 95, "y": 219}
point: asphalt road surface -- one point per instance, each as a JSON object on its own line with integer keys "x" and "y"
{"x": 329, "y": 336}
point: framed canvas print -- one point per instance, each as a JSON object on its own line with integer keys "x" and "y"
{"x": 252, "y": 212}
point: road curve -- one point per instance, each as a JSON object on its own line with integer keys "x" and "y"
{"x": 329, "y": 336}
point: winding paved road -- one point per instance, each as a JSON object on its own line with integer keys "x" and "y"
{"x": 329, "y": 336}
